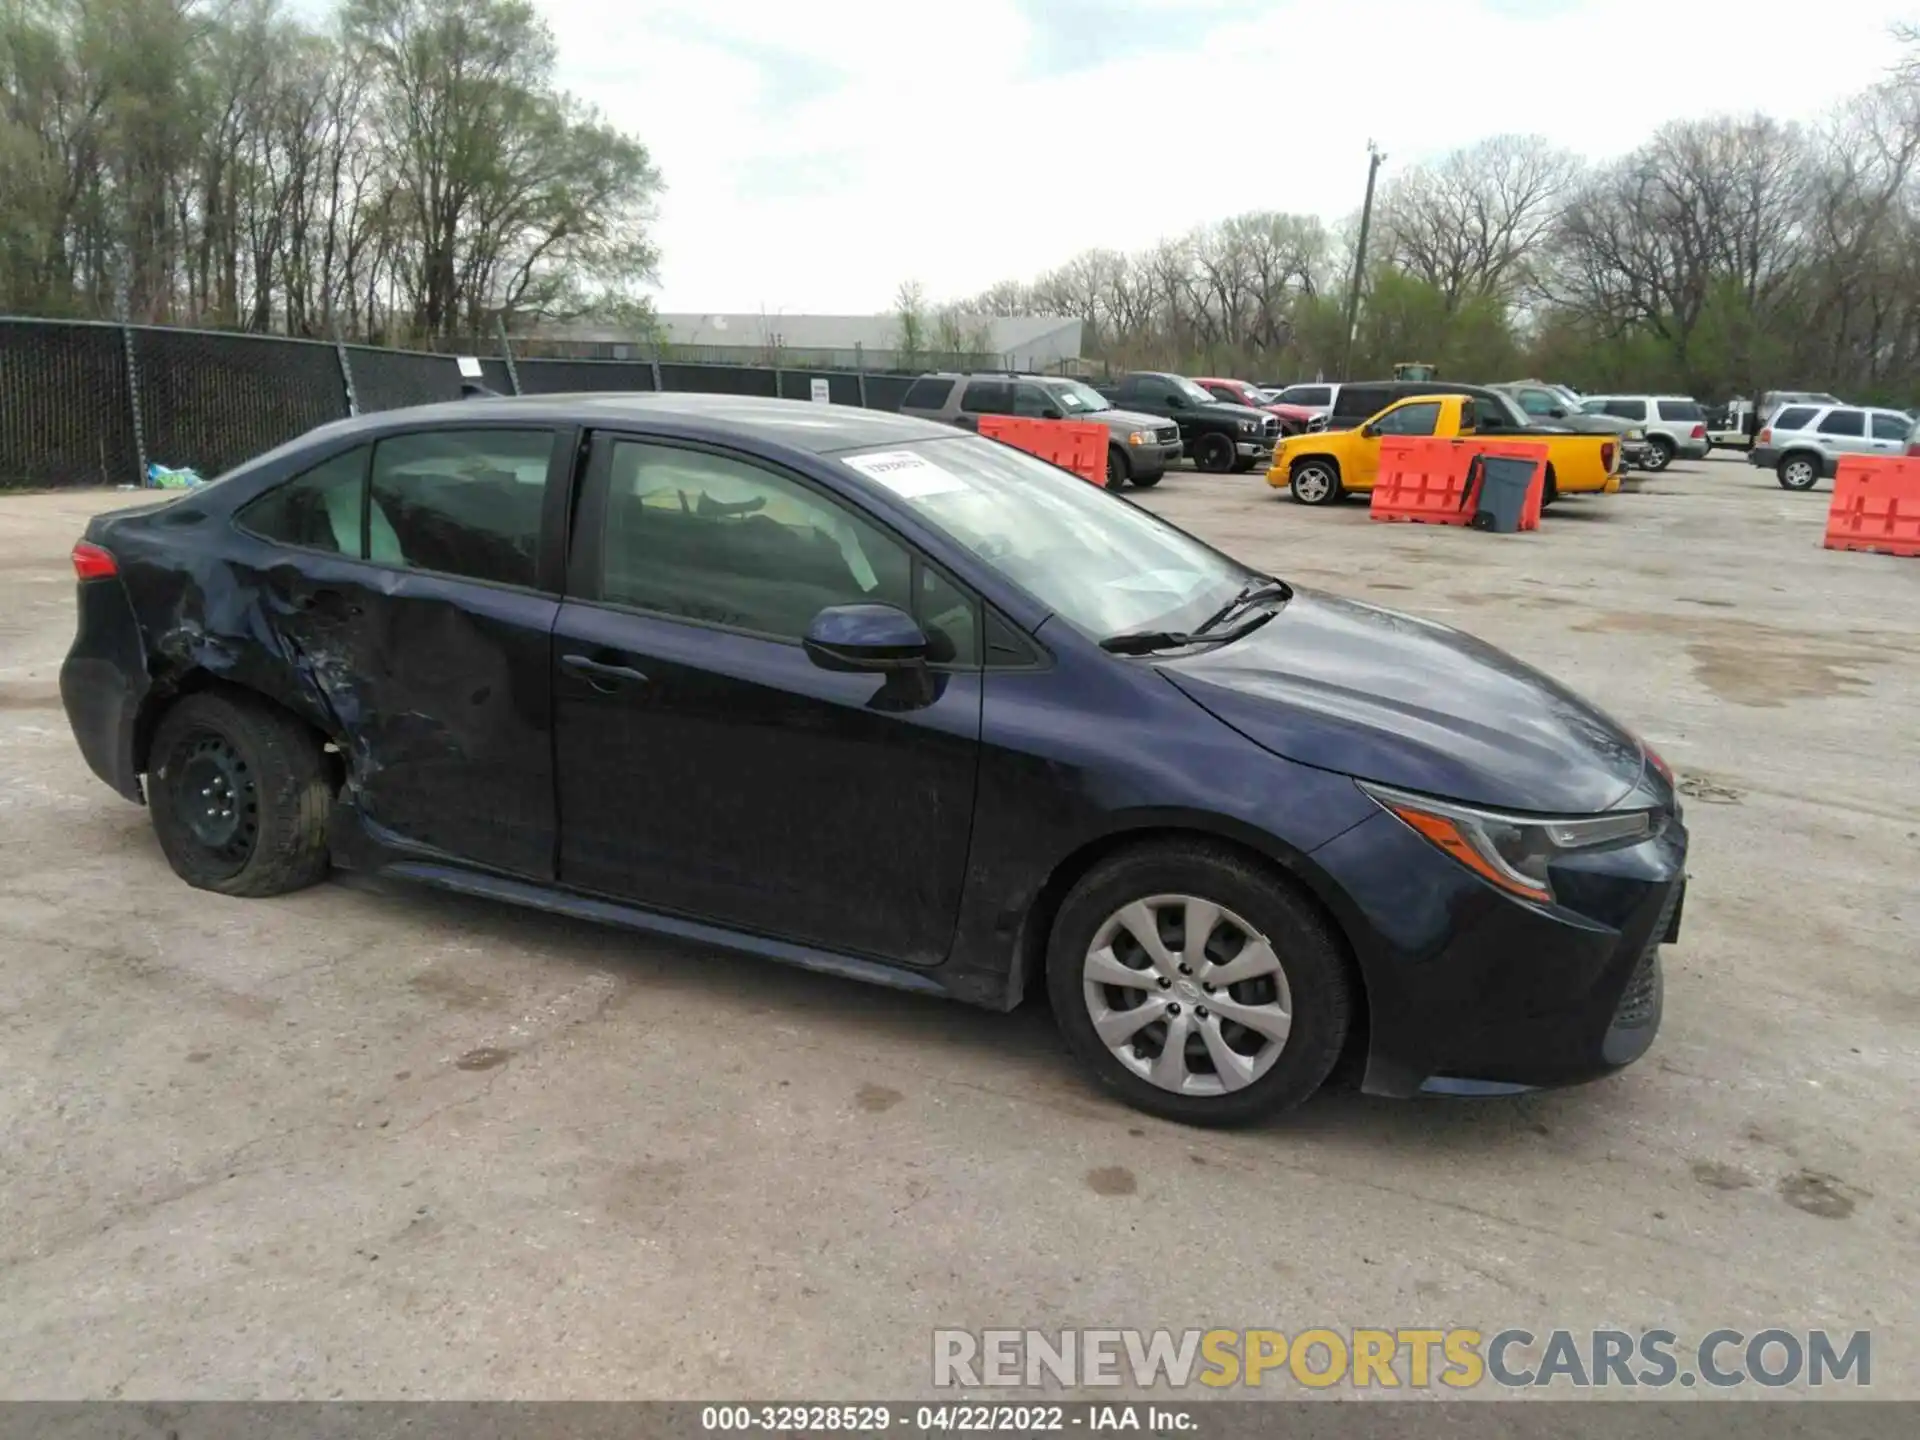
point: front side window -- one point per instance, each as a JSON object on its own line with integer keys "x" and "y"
{"x": 461, "y": 502}
{"x": 1421, "y": 417}
{"x": 1844, "y": 422}
{"x": 1031, "y": 401}
{"x": 716, "y": 539}
{"x": 1890, "y": 427}
{"x": 1074, "y": 398}
{"x": 1102, "y": 565}
{"x": 1306, "y": 395}
{"x": 1538, "y": 402}
{"x": 1625, "y": 409}
{"x": 1190, "y": 390}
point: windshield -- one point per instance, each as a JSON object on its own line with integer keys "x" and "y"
{"x": 1104, "y": 566}
{"x": 1077, "y": 399}
{"x": 1192, "y": 391}
{"x": 1503, "y": 408}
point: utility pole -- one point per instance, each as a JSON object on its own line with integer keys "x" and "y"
{"x": 1375, "y": 157}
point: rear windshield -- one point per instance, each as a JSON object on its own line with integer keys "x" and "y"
{"x": 1681, "y": 410}
{"x": 1795, "y": 417}
{"x": 926, "y": 393}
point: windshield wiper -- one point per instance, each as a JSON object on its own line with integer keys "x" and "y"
{"x": 1256, "y": 589}
{"x": 1145, "y": 642}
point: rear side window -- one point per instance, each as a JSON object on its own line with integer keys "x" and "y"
{"x": 1306, "y": 395}
{"x": 1625, "y": 409}
{"x": 1891, "y": 427}
{"x": 987, "y": 397}
{"x": 319, "y": 510}
{"x": 1844, "y": 422}
{"x": 926, "y": 393}
{"x": 1360, "y": 401}
{"x": 1681, "y": 410}
{"x": 460, "y": 502}
{"x": 1794, "y": 417}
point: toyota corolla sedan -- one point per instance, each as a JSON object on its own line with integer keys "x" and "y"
{"x": 861, "y": 693}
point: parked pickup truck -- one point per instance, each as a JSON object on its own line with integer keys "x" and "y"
{"x": 1320, "y": 467}
{"x": 1219, "y": 437}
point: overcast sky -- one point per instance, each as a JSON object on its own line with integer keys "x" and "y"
{"x": 817, "y": 153}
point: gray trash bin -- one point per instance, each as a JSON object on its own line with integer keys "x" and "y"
{"x": 1504, "y": 482}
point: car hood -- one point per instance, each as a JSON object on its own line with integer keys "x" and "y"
{"x": 1382, "y": 696}
{"x": 1130, "y": 419}
{"x": 1223, "y": 410}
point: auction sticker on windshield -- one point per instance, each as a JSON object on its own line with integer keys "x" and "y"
{"x": 906, "y": 474}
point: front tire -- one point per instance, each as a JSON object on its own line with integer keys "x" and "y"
{"x": 1117, "y": 469}
{"x": 240, "y": 794}
{"x": 1660, "y": 453}
{"x": 1315, "y": 482}
{"x": 1214, "y": 454}
{"x": 1798, "y": 472}
{"x": 1147, "y": 482}
{"x": 1197, "y": 985}
{"x": 1550, "y": 491}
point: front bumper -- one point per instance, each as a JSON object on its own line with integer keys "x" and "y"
{"x": 1154, "y": 459}
{"x": 1256, "y": 450}
{"x": 1470, "y": 991}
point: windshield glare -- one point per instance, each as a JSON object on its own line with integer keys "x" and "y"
{"x": 1078, "y": 399}
{"x": 1104, "y": 566}
{"x": 1192, "y": 391}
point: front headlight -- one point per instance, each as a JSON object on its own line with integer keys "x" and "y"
{"x": 1636, "y": 433}
{"x": 1140, "y": 437}
{"x": 1249, "y": 427}
{"x": 1511, "y": 851}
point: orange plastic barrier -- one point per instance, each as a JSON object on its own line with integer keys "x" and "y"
{"x": 1423, "y": 479}
{"x": 1876, "y": 505}
{"x": 1076, "y": 445}
{"x": 1522, "y": 450}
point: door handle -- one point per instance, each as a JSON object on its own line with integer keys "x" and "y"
{"x": 600, "y": 675}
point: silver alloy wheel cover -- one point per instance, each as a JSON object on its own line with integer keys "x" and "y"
{"x": 1176, "y": 996}
{"x": 1312, "y": 483}
{"x": 1800, "y": 473}
{"x": 1659, "y": 457}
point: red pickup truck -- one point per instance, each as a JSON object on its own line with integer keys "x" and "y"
{"x": 1293, "y": 418}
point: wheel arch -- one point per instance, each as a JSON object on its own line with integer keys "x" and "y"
{"x": 1294, "y": 462}
{"x": 1288, "y": 866}
{"x": 198, "y": 680}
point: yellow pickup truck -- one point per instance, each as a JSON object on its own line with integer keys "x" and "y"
{"x": 1321, "y": 466}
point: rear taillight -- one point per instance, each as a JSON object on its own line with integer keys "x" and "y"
{"x": 90, "y": 562}
{"x": 1913, "y": 448}
{"x": 1606, "y": 455}
{"x": 1653, "y": 759}
{"x": 1765, "y": 438}
{"x": 1699, "y": 432}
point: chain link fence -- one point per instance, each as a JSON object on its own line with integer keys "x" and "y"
{"x": 91, "y": 403}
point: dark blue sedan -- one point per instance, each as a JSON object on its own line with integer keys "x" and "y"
{"x": 864, "y": 694}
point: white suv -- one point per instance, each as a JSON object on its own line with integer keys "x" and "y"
{"x": 1802, "y": 444}
{"x": 1675, "y": 424}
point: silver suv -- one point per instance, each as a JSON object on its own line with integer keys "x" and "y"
{"x": 1802, "y": 444}
{"x": 1676, "y": 425}
{"x": 1140, "y": 447}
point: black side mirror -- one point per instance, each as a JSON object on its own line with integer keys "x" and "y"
{"x": 865, "y": 639}
{"x": 1372, "y": 432}
{"x": 1556, "y": 412}
{"x": 1176, "y": 402}
{"x": 1050, "y": 413}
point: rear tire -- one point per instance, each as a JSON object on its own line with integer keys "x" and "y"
{"x": 240, "y": 794}
{"x": 1798, "y": 472}
{"x": 1660, "y": 453}
{"x": 1214, "y": 454}
{"x": 1117, "y": 469}
{"x": 1316, "y": 482}
{"x": 1303, "y": 982}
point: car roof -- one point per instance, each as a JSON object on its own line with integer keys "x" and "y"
{"x": 800, "y": 424}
